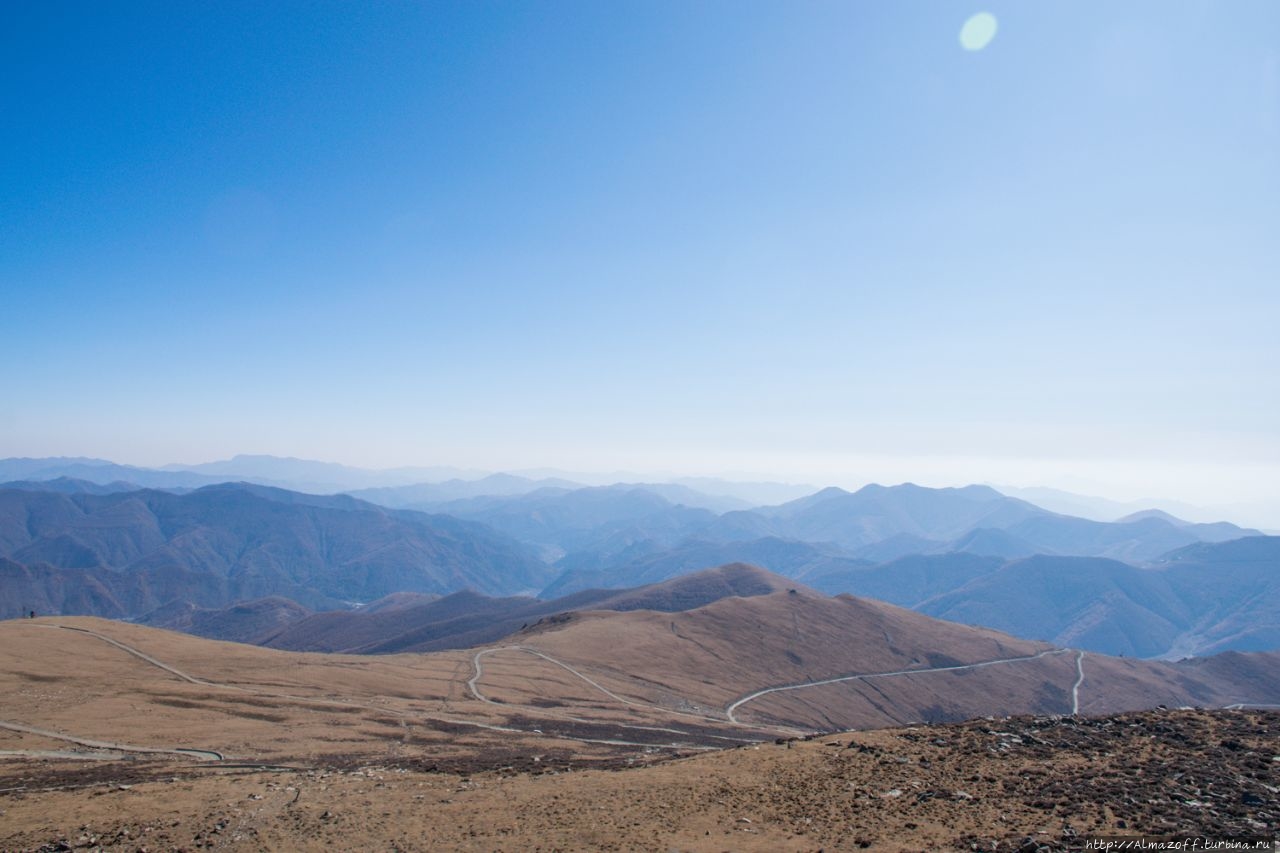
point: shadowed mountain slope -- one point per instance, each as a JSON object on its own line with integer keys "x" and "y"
{"x": 1198, "y": 600}
{"x": 252, "y": 622}
{"x": 1233, "y": 591}
{"x": 225, "y": 543}
{"x": 906, "y": 581}
{"x": 1087, "y": 602}
{"x": 466, "y": 619}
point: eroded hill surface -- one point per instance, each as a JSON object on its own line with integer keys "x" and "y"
{"x": 1024, "y": 783}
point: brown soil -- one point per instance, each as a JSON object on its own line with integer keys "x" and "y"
{"x": 984, "y": 785}
{"x": 604, "y": 733}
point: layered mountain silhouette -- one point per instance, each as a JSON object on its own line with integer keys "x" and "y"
{"x": 460, "y": 620}
{"x": 969, "y": 554}
{"x": 936, "y": 520}
{"x": 596, "y": 522}
{"x": 253, "y": 622}
{"x": 430, "y": 496}
{"x": 126, "y": 553}
{"x": 787, "y": 557}
{"x": 466, "y": 497}
{"x": 1196, "y": 600}
{"x": 422, "y": 488}
{"x": 876, "y": 524}
{"x": 284, "y": 472}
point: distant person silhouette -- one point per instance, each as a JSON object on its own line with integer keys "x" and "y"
{"x": 33, "y": 615}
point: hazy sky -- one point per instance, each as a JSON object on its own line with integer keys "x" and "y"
{"x": 814, "y": 241}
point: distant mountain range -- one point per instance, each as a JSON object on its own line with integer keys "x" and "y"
{"x": 971, "y": 554}
{"x": 1196, "y": 600}
{"x": 299, "y": 474}
{"x": 873, "y": 525}
{"x": 460, "y": 620}
{"x": 401, "y": 488}
{"x": 330, "y": 478}
{"x": 1264, "y": 514}
{"x": 936, "y": 520}
{"x": 125, "y": 553}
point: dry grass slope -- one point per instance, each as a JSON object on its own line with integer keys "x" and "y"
{"x": 468, "y": 748}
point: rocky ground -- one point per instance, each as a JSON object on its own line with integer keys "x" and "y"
{"x": 1015, "y": 784}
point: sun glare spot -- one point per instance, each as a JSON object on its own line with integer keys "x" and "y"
{"x": 978, "y": 31}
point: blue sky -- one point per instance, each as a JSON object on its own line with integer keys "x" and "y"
{"x": 815, "y": 241}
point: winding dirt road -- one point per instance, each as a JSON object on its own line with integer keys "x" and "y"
{"x": 471, "y": 682}
{"x": 1075, "y": 688}
{"x": 472, "y": 686}
{"x": 214, "y": 755}
{"x": 138, "y": 654}
{"x": 202, "y": 754}
{"x": 729, "y": 711}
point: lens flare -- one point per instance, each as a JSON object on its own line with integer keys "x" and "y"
{"x": 978, "y": 31}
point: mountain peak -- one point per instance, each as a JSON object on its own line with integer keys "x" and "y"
{"x": 1142, "y": 515}
{"x": 975, "y": 492}
{"x": 826, "y": 494}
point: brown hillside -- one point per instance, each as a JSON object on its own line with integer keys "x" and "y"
{"x": 1017, "y": 784}
{"x": 87, "y": 702}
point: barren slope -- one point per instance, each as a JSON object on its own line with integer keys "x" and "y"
{"x": 387, "y": 749}
{"x": 888, "y": 665}
{"x": 981, "y": 786}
